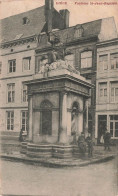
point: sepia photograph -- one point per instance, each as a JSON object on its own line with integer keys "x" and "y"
{"x": 58, "y": 98}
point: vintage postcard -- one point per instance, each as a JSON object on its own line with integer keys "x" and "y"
{"x": 59, "y": 97}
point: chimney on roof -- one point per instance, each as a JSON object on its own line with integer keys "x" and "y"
{"x": 49, "y": 5}
{"x": 65, "y": 14}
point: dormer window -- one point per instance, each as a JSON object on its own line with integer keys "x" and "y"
{"x": 25, "y": 20}
{"x": 78, "y": 31}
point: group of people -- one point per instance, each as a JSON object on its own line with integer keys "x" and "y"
{"x": 83, "y": 143}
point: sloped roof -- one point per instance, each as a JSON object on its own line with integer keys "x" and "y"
{"x": 67, "y": 35}
{"x": 90, "y": 29}
{"x": 12, "y": 27}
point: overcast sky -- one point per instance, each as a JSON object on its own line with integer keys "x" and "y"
{"x": 78, "y": 13}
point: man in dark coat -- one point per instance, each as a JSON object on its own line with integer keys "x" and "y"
{"x": 90, "y": 145}
{"x": 107, "y": 140}
{"x": 82, "y": 143}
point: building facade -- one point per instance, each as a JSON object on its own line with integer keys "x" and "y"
{"x": 24, "y": 51}
{"x": 17, "y": 62}
{"x": 107, "y": 89}
{"x": 78, "y": 47}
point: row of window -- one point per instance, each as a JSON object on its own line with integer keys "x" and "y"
{"x": 113, "y": 91}
{"x": 46, "y": 125}
{"x": 103, "y": 61}
{"x": 10, "y": 120}
{"x": 11, "y": 93}
{"x": 113, "y": 125}
{"x": 46, "y": 122}
{"x": 25, "y": 64}
{"x": 86, "y": 62}
{"x": 103, "y": 92}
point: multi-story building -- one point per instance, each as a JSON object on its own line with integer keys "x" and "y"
{"x": 19, "y": 38}
{"x": 107, "y": 88}
{"x": 79, "y": 44}
{"x": 28, "y": 38}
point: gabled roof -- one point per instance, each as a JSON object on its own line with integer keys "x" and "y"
{"x": 12, "y": 27}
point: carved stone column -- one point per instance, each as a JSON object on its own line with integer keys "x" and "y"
{"x": 86, "y": 120}
{"x": 63, "y": 118}
{"x": 30, "y": 111}
{"x": 36, "y": 126}
{"x": 87, "y": 114}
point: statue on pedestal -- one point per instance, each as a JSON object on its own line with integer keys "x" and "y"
{"x": 57, "y": 60}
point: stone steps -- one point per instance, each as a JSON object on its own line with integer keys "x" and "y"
{"x": 45, "y": 150}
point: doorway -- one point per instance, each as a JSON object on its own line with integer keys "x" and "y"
{"x": 46, "y": 118}
{"x": 102, "y": 124}
{"x": 46, "y": 122}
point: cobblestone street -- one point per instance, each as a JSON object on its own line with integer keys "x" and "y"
{"x": 92, "y": 180}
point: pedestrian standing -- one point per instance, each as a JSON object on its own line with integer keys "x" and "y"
{"x": 107, "y": 140}
{"x": 82, "y": 143}
{"x": 90, "y": 145}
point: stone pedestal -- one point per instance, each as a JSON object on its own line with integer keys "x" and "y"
{"x": 42, "y": 150}
{"x": 59, "y": 151}
{"x": 53, "y": 96}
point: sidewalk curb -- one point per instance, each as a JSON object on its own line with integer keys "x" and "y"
{"x": 47, "y": 163}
